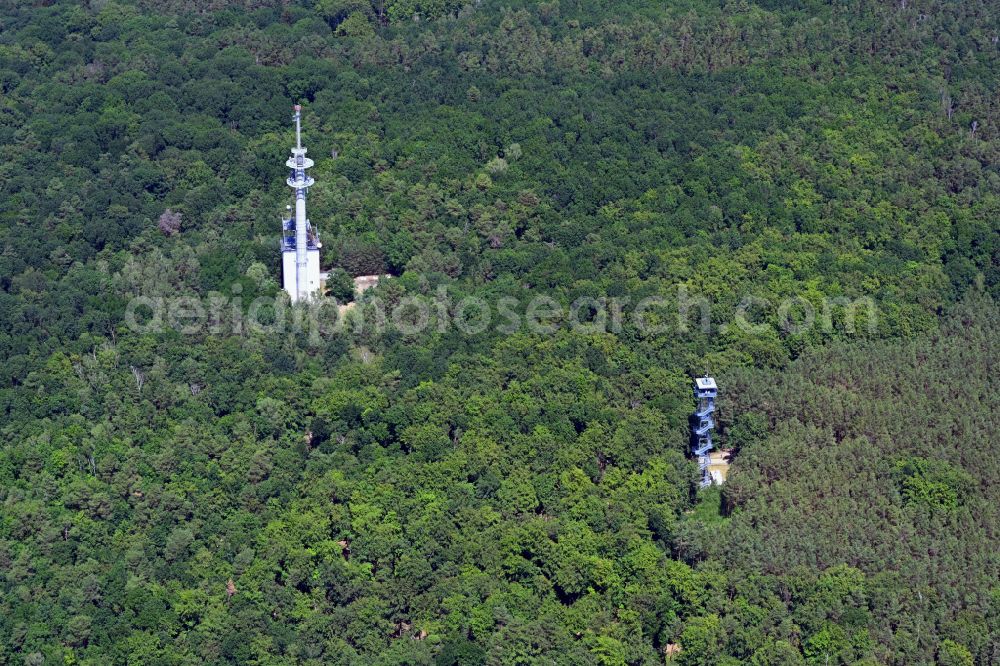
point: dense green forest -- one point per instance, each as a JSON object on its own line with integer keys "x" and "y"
{"x": 438, "y": 497}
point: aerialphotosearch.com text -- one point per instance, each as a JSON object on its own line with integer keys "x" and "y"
{"x": 682, "y": 312}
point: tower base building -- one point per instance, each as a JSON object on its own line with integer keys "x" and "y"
{"x": 290, "y": 279}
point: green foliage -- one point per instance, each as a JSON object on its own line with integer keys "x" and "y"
{"x": 931, "y": 484}
{"x": 701, "y": 641}
{"x": 903, "y": 544}
{"x": 401, "y": 10}
{"x": 953, "y": 654}
{"x": 355, "y": 25}
{"x": 445, "y": 498}
{"x": 827, "y": 646}
{"x": 340, "y": 285}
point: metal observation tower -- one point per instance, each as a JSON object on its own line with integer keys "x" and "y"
{"x": 702, "y": 424}
{"x": 300, "y": 242}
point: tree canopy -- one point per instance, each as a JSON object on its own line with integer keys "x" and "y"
{"x": 501, "y": 497}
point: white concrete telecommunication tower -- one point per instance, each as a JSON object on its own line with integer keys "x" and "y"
{"x": 300, "y": 242}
